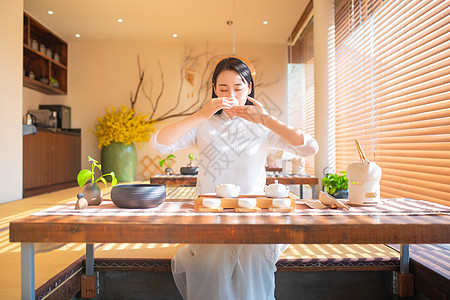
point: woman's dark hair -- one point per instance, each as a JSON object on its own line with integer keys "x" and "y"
{"x": 237, "y": 65}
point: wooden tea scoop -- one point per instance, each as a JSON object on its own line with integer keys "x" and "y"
{"x": 362, "y": 156}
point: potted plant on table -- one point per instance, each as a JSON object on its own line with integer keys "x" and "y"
{"x": 189, "y": 169}
{"x": 167, "y": 161}
{"x": 116, "y": 133}
{"x": 336, "y": 185}
{"x": 92, "y": 192}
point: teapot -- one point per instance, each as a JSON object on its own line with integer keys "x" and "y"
{"x": 276, "y": 190}
{"x": 227, "y": 190}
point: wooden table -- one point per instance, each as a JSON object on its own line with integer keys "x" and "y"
{"x": 191, "y": 180}
{"x": 222, "y": 229}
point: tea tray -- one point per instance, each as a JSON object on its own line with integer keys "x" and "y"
{"x": 263, "y": 204}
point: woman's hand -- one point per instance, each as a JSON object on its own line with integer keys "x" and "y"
{"x": 253, "y": 113}
{"x": 216, "y": 104}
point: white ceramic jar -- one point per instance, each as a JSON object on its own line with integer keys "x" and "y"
{"x": 364, "y": 183}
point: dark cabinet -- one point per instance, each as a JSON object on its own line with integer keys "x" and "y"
{"x": 51, "y": 161}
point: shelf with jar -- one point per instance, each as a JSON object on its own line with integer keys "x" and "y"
{"x": 44, "y": 59}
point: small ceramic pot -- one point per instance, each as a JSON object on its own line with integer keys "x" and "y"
{"x": 189, "y": 170}
{"x": 227, "y": 190}
{"x": 276, "y": 190}
{"x": 93, "y": 194}
{"x": 168, "y": 171}
{"x": 35, "y": 45}
{"x": 42, "y": 48}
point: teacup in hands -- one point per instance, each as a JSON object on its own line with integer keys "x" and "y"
{"x": 276, "y": 190}
{"x": 228, "y": 190}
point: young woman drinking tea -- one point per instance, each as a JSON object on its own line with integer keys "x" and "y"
{"x": 233, "y": 133}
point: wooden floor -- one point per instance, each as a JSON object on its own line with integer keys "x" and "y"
{"x": 51, "y": 259}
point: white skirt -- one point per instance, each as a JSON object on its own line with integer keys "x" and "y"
{"x": 226, "y": 272}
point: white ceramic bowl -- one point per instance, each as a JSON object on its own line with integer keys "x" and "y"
{"x": 281, "y": 202}
{"x": 211, "y": 202}
{"x": 247, "y": 202}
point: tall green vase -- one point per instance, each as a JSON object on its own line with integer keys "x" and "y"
{"x": 120, "y": 159}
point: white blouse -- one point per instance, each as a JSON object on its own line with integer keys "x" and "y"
{"x": 233, "y": 151}
{"x": 230, "y": 151}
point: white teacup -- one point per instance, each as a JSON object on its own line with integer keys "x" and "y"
{"x": 211, "y": 202}
{"x": 227, "y": 190}
{"x": 281, "y": 202}
{"x": 247, "y": 202}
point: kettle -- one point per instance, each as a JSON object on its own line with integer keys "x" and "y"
{"x": 30, "y": 119}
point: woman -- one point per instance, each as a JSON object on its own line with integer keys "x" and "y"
{"x": 233, "y": 133}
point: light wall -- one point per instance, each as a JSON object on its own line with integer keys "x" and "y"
{"x": 11, "y": 57}
{"x": 104, "y": 74}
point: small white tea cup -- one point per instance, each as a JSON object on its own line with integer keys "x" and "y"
{"x": 211, "y": 202}
{"x": 281, "y": 202}
{"x": 247, "y": 202}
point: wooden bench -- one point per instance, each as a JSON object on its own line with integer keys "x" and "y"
{"x": 67, "y": 283}
{"x": 429, "y": 264}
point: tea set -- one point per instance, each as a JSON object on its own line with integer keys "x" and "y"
{"x": 277, "y": 191}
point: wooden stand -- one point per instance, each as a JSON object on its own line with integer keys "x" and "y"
{"x": 263, "y": 204}
{"x": 88, "y": 286}
{"x": 207, "y": 209}
{"x": 243, "y": 209}
{"x": 404, "y": 285}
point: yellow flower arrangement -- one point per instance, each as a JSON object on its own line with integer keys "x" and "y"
{"x": 123, "y": 126}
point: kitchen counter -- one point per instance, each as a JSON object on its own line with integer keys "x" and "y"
{"x": 72, "y": 131}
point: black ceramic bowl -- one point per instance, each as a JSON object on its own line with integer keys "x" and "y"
{"x": 138, "y": 195}
{"x": 189, "y": 170}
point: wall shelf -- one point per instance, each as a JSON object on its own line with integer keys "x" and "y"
{"x": 44, "y": 67}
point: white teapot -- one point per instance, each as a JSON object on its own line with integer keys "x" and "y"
{"x": 276, "y": 190}
{"x": 227, "y": 190}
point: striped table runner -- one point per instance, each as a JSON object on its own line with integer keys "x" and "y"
{"x": 388, "y": 207}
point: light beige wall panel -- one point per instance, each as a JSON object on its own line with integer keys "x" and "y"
{"x": 11, "y": 33}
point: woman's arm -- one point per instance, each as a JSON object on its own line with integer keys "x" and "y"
{"x": 258, "y": 114}
{"x": 173, "y": 132}
{"x": 292, "y": 135}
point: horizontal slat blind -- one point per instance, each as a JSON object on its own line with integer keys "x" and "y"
{"x": 301, "y": 87}
{"x": 393, "y": 92}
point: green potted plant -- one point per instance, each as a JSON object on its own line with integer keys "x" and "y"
{"x": 336, "y": 185}
{"x": 167, "y": 161}
{"x": 189, "y": 169}
{"x": 92, "y": 192}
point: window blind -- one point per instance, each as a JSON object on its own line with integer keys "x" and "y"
{"x": 301, "y": 86}
{"x": 393, "y": 93}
